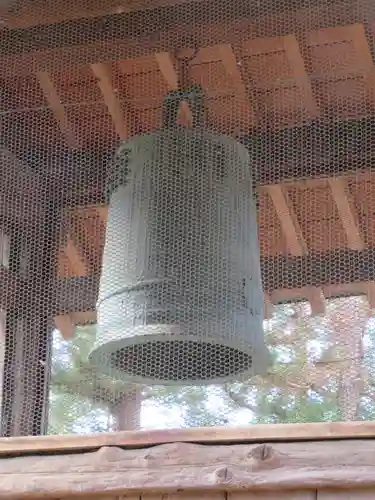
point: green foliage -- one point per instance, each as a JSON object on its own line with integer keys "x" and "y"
{"x": 312, "y": 358}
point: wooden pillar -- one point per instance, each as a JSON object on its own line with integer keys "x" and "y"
{"x": 29, "y": 322}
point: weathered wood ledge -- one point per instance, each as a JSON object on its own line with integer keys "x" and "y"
{"x": 171, "y": 467}
{"x": 189, "y": 466}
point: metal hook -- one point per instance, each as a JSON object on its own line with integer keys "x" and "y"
{"x": 193, "y": 94}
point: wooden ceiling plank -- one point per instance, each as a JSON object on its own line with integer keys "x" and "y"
{"x": 229, "y": 60}
{"x": 359, "y": 40}
{"x": 297, "y": 66}
{"x": 103, "y": 73}
{"x": 295, "y": 241}
{"x": 52, "y": 97}
{"x": 168, "y": 70}
{"x": 347, "y": 212}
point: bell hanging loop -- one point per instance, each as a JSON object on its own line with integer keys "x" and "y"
{"x": 191, "y": 93}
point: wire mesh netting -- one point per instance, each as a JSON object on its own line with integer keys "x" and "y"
{"x": 187, "y": 208}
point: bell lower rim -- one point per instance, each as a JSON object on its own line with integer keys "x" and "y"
{"x": 170, "y": 351}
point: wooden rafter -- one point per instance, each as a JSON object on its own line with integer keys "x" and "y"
{"x": 77, "y": 262}
{"x": 52, "y": 97}
{"x": 66, "y": 323}
{"x": 167, "y": 67}
{"x": 295, "y": 241}
{"x": 347, "y": 212}
{"x": 361, "y": 45}
{"x": 350, "y": 221}
{"x": 292, "y": 232}
{"x": 103, "y": 73}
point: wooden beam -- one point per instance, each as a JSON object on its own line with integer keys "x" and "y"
{"x": 268, "y": 306}
{"x": 318, "y": 150}
{"x": 217, "y": 472}
{"x": 338, "y": 272}
{"x": 300, "y": 75}
{"x": 227, "y": 56}
{"x": 350, "y": 221}
{"x": 57, "y": 107}
{"x": 167, "y": 67}
{"x": 25, "y": 185}
{"x": 29, "y": 322}
{"x": 314, "y": 295}
{"x": 347, "y": 212}
{"x": 102, "y": 211}
{"x": 295, "y": 241}
{"x": 128, "y": 37}
{"x": 77, "y": 262}
{"x": 103, "y": 73}
{"x": 365, "y": 59}
{"x": 66, "y": 326}
{"x": 29, "y": 13}
{"x": 316, "y": 298}
{"x": 333, "y": 432}
{"x": 4, "y": 249}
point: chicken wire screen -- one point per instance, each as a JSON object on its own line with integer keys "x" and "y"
{"x": 187, "y": 214}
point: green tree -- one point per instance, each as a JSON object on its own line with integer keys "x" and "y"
{"x": 321, "y": 372}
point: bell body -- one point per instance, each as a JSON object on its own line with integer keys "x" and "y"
{"x": 180, "y": 298}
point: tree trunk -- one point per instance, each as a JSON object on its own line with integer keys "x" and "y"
{"x": 348, "y": 323}
{"x": 127, "y": 411}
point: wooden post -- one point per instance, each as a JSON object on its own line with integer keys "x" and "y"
{"x": 29, "y": 322}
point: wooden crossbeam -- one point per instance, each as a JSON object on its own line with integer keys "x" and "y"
{"x": 337, "y": 273}
{"x": 103, "y": 73}
{"x": 167, "y": 67}
{"x": 52, "y": 97}
{"x": 210, "y": 30}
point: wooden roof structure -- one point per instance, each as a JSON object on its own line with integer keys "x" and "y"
{"x": 296, "y": 84}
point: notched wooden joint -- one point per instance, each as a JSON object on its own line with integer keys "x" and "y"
{"x": 263, "y": 453}
{"x": 223, "y": 475}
